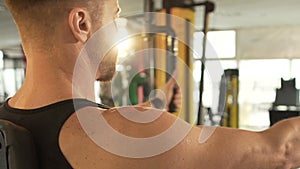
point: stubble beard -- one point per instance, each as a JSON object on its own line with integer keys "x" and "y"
{"x": 107, "y": 69}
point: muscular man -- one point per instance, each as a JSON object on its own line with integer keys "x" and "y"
{"x": 53, "y": 33}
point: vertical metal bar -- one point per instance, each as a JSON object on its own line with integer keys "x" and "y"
{"x": 15, "y": 73}
{"x": 188, "y": 78}
{"x": 171, "y": 56}
{"x": 168, "y": 45}
{"x": 149, "y": 8}
{"x": 148, "y": 5}
{"x": 203, "y": 60}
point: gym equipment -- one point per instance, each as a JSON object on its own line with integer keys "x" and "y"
{"x": 229, "y": 90}
{"x": 189, "y": 4}
{"x": 165, "y": 38}
{"x": 13, "y": 61}
{"x": 17, "y": 150}
{"x": 286, "y": 103}
{"x": 209, "y": 7}
{"x": 146, "y": 80}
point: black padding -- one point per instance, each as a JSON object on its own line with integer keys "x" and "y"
{"x": 17, "y": 150}
{"x": 3, "y": 159}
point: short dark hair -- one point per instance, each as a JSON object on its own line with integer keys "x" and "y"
{"x": 38, "y": 9}
{"x": 44, "y": 14}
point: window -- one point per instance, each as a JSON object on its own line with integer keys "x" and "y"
{"x": 1, "y": 59}
{"x": 258, "y": 82}
{"x": 295, "y": 71}
{"x": 212, "y": 77}
{"x": 220, "y": 44}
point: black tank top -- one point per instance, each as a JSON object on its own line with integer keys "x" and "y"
{"x": 45, "y": 124}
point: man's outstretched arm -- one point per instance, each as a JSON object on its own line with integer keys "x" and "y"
{"x": 226, "y": 148}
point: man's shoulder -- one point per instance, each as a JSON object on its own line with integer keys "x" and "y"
{"x": 155, "y": 136}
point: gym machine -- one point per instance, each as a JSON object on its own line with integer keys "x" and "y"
{"x": 165, "y": 39}
{"x": 17, "y": 149}
{"x": 184, "y": 9}
{"x": 144, "y": 81}
{"x": 209, "y": 8}
{"x": 229, "y": 90}
{"x": 286, "y": 103}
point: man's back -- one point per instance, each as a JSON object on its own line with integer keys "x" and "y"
{"x": 40, "y": 123}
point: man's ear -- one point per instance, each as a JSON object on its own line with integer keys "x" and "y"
{"x": 80, "y": 24}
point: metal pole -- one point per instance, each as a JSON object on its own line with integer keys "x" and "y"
{"x": 148, "y": 5}
{"x": 149, "y": 8}
{"x": 172, "y": 56}
{"x": 187, "y": 61}
{"x": 209, "y": 7}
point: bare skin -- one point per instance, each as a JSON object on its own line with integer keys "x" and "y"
{"x": 49, "y": 80}
{"x": 227, "y": 148}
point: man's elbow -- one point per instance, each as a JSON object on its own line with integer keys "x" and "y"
{"x": 285, "y": 141}
{"x": 292, "y": 148}
{"x": 285, "y": 156}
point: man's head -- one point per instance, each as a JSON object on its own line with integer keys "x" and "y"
{"x": 62, "y": 27}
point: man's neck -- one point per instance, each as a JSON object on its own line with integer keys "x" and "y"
{"x": 45, "y": 83}
{"x": 34, "y": 94}
{"x": 50, "y": 78}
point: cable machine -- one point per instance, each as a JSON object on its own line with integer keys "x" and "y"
{"x": 184, "y": 9}
{"x": 165, "y": 38}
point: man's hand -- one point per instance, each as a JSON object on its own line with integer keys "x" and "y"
{"x": 172, "y": 94}
{"x": 169, "y": 93}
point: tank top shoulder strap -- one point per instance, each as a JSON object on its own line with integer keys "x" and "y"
{"x": 82, "y": 103}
